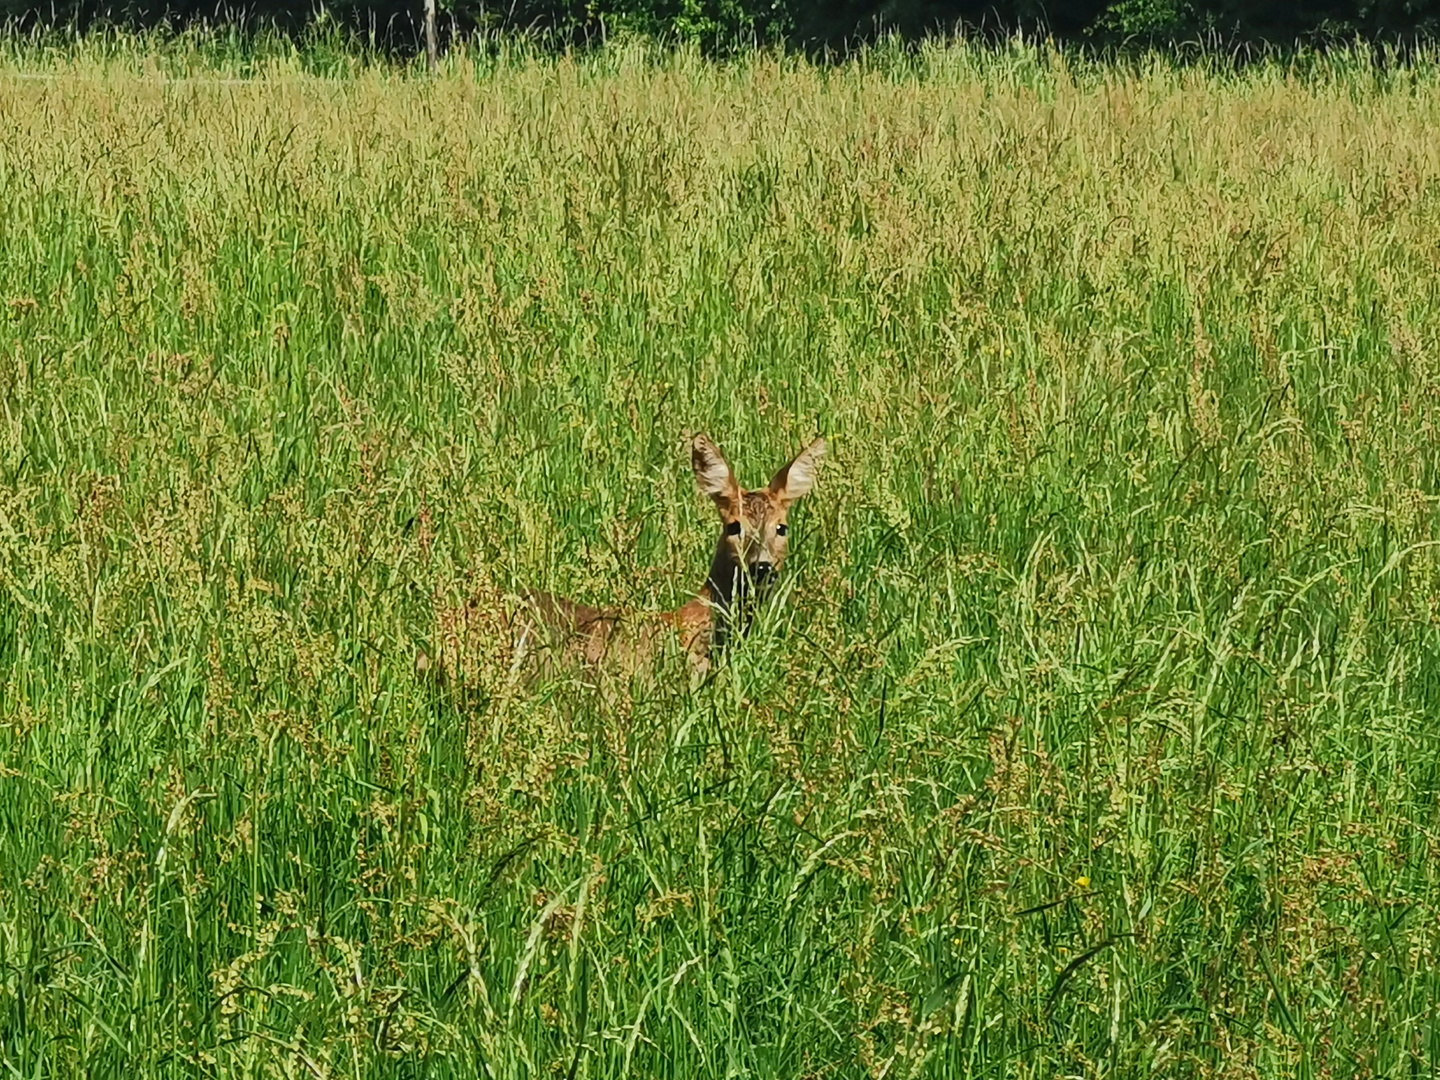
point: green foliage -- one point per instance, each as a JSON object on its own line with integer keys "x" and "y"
{"x": 723, "y": 26}
{"x": 712, "y": 23}
{"x": 1094, "y": 731}
{"x": 1148, "y": 19}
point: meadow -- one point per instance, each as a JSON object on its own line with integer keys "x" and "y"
{"x": 1096, "y": 731}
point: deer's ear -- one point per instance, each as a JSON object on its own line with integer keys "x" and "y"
{"x": 713, "y": 474}
{"x": 797, "y": 478}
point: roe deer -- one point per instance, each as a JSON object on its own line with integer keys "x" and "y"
{"x": 748, "y": 555}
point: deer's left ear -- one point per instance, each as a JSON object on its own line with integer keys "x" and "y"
{"x": 797, "y": 478}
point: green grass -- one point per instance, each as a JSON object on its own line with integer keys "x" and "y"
{"x": 1097, "y": 737}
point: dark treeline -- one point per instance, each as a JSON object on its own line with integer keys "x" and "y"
{"x": 393, "y": 25}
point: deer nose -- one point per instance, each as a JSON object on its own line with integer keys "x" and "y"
{"x": 763, "y": 570}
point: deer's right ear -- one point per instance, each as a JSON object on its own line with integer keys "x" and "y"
{"x": 713, "y": 473}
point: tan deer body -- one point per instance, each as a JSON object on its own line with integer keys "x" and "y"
{"x": 749, "y": 553}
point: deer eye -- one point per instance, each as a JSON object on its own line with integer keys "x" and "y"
{"x": 781, "y": 530}
{"x": 733, "y": 529}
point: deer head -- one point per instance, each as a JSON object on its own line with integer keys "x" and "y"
{"x": 754, "y": 532}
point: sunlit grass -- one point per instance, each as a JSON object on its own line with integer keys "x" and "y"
{"x": 1096, "y": 737}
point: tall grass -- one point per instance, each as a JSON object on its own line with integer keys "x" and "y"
{"x": 1098, "y": 734}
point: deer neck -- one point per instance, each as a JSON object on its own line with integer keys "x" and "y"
{"x": 729, "y": 593}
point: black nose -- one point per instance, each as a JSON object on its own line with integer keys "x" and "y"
{"x": 764, "y": 569}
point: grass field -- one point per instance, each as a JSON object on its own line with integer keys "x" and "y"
{"x": 1099, "y": 733}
